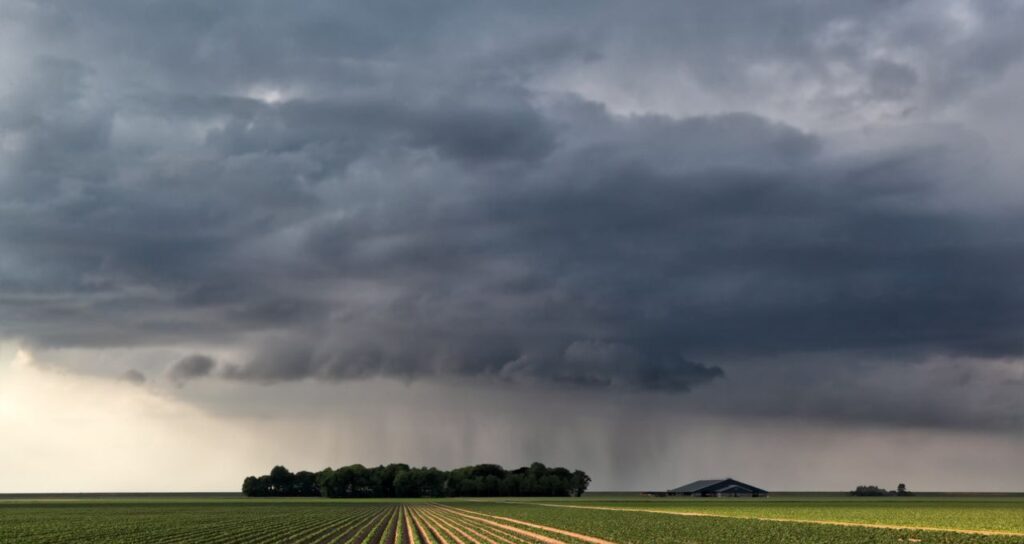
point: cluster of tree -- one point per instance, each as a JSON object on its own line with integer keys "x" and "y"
{"x": 875, "y": 491}
{"x": 401, "y": 480}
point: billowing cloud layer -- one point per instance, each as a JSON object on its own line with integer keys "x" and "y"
{"x": 340, "y": 192}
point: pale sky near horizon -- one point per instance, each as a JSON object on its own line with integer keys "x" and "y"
{"x": 780, "y": 241}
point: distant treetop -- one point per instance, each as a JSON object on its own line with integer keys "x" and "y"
{"x": 875, "y": 491}
{"x": 401, "y": 480}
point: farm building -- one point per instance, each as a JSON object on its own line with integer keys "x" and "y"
{"x": 718, "y": 488}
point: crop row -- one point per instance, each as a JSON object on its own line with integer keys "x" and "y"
{"x": 173, "y": 525}
{"x": 445, "y": 524}
{"x": 270, "y": 523}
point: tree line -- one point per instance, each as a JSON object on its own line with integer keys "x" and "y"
{"x": 401, "y": 480}
{"x": 875, "y": 491}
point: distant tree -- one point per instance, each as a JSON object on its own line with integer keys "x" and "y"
{"x": 578, "y": 483}
{"x": 304, "y": 485}
{"x": 482, "y": 471}
{"x": 491, "y": 486}
{"x": 333, "y": 483}
{"x": 510, "y": 485}
{"x": 251, "y": 487}
{"x": 400, "y": 480}
{"x": 361, "y": 482}
{"x": 281, "y": 481}
{"x": 387, "y": 476}
{"x": 408, "y": 484}
{"x": 264, "y": 485}
{"x": 433, "y": 483}
{"x": 551, "y": 486}
{"x": 468, "y": 487}
{"x": 869, "y": 491}
{"x": 901, "y": 490}
{"x": 321, "y": 480}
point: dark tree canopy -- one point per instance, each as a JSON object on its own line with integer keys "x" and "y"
{"x": 401, "y": 480}
{"x": 869, "y": 491}
{"x": 875, "y": 491}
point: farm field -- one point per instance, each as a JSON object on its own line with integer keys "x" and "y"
{"x": 978, "y": 513}
{"x": 550, "y": 521}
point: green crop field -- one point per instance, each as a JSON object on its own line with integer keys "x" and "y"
{"x": 223, "y": 520}
{"x": 994, "y": 514}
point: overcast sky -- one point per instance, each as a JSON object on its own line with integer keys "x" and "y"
{"x": 658, "y": 241}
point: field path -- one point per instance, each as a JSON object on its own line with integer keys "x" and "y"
{"x": 489, "y": 519}
{"x": 786, "y": 520}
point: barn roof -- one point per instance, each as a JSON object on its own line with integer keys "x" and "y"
{"x": 695, "y": 486}
{"x": 713, "y": 486}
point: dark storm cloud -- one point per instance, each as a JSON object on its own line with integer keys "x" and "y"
{"x": 336, "y": 203}
{"x": 191, "y": 368}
